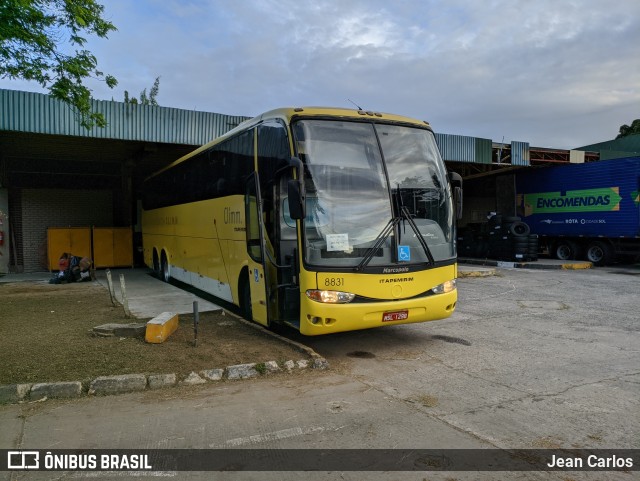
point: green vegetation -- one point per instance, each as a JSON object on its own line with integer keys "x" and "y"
{"x": 626, "y": 130}
{"x": 43, "y": 40}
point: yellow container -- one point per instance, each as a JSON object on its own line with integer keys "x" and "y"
{"x": 73, "y": 240}
{"x": 161, "y": 327}
{"x": 112, "y": 247}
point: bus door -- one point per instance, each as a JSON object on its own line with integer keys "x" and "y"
{"x": 272, "y": 248}
{"x": 289, "y": 288}
{"x": 258, "y": 283}
{"x": 274, "y": 166}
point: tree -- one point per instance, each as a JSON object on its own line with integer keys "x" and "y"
{"x": 144, "y": 99}
{"x": 632, "y": 129}
{"x": 36, "y": 37}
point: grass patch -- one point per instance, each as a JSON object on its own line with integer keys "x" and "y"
{"x": 427, "y": 400}
{"x": 261, "y": 368}
{"x": 46, "y": 337}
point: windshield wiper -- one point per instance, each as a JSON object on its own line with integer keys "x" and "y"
{"x": 389, "y": 228}
{"x": 384, "y": 234}
{"x": 404, "y": 212}
{"x": 407, "y": 215}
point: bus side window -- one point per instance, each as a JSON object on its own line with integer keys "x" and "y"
{"x": 233, "y": 162}
{"x": 217, "y": 173}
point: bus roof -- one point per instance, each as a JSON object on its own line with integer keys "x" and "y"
{"x": 288, "y": 113}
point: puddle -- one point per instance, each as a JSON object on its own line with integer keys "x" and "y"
{"x": 546, "y": 305}
{"x": 454, "y": 340}
{"x": 361, "y": 354}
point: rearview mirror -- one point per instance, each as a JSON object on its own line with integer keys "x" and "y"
{"x": 455, "y": 179}
{"x": 456, "y": 185}
{"x": 457, "y": 201}
{"x": 297, "y": 204}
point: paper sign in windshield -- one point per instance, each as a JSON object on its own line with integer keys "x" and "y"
{"x": 337, "y": 242}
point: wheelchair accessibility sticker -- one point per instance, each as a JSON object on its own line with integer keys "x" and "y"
{"x": 404, "y": 253}
{"x": 256, "y": 275}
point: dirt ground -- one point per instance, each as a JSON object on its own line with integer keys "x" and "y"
{"x": 46, "y": 337}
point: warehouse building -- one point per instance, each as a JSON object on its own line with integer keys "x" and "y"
{"x": 56, "y": 174}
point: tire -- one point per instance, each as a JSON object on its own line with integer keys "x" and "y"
{"x": 495, "y": 221}
{"x": 245, "y": 299}
{"x": 566, "y": 250}
{"x": 599, "y": 253}
{"x": 519, "y": 229}
{"x": 156, "y": 265}
{"x": 520, "y": 242}
{"x": 165, "y": 273}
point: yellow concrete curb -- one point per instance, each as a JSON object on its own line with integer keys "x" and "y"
{"x": 577, "y": 265}
{"x": 484, "y": 273}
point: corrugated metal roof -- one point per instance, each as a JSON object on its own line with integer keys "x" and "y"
{"x": 625, "y": 144}
{"x": 461, "y": 148}
{"x": 484, "y": 151}
{"x": 42, "y": 114}
{"x": 456, "y": 148}
{"x": 520, "y": 153}
{"x": 616, "y": 154}
{"x": 615, "y": 149}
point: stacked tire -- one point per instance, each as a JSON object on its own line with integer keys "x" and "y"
{"x": 510, "y": 239}
{"x": 472, "y": 244}
{"x": 502, "y": 238}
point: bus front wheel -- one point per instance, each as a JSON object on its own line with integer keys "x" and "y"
{"x": 245, "y": 300}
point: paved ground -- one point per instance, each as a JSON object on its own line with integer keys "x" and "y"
{"x": 530, "y": 359}
{"x": 147, "y": 295}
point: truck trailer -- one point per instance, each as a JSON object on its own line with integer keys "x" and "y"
{"x": 583, "y": 211}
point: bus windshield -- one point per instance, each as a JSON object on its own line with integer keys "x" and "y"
{"x": 361, "y": 178}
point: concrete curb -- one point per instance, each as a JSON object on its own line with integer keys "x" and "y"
{"x": 125, "y": 383}
{"x": 485, "y": 272}
{"x": 119, "y": 384}
{"x": 548, "y": 264}
{"x": 56, "y": 390}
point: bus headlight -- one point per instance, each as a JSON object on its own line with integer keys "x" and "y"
{"x": 445, "y": 287}
{"x": 330, "y": 297}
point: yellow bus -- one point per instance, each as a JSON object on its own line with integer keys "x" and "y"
{"x": 323, "y": 219}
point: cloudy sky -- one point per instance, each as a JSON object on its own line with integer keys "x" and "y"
{"x": 555, "y": 73}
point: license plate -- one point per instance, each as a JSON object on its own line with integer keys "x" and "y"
{"x": 395, "y": 316}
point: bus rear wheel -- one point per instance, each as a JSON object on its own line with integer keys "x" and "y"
{"x": 156, "y": 264}
{"x": 165, "y": 273}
